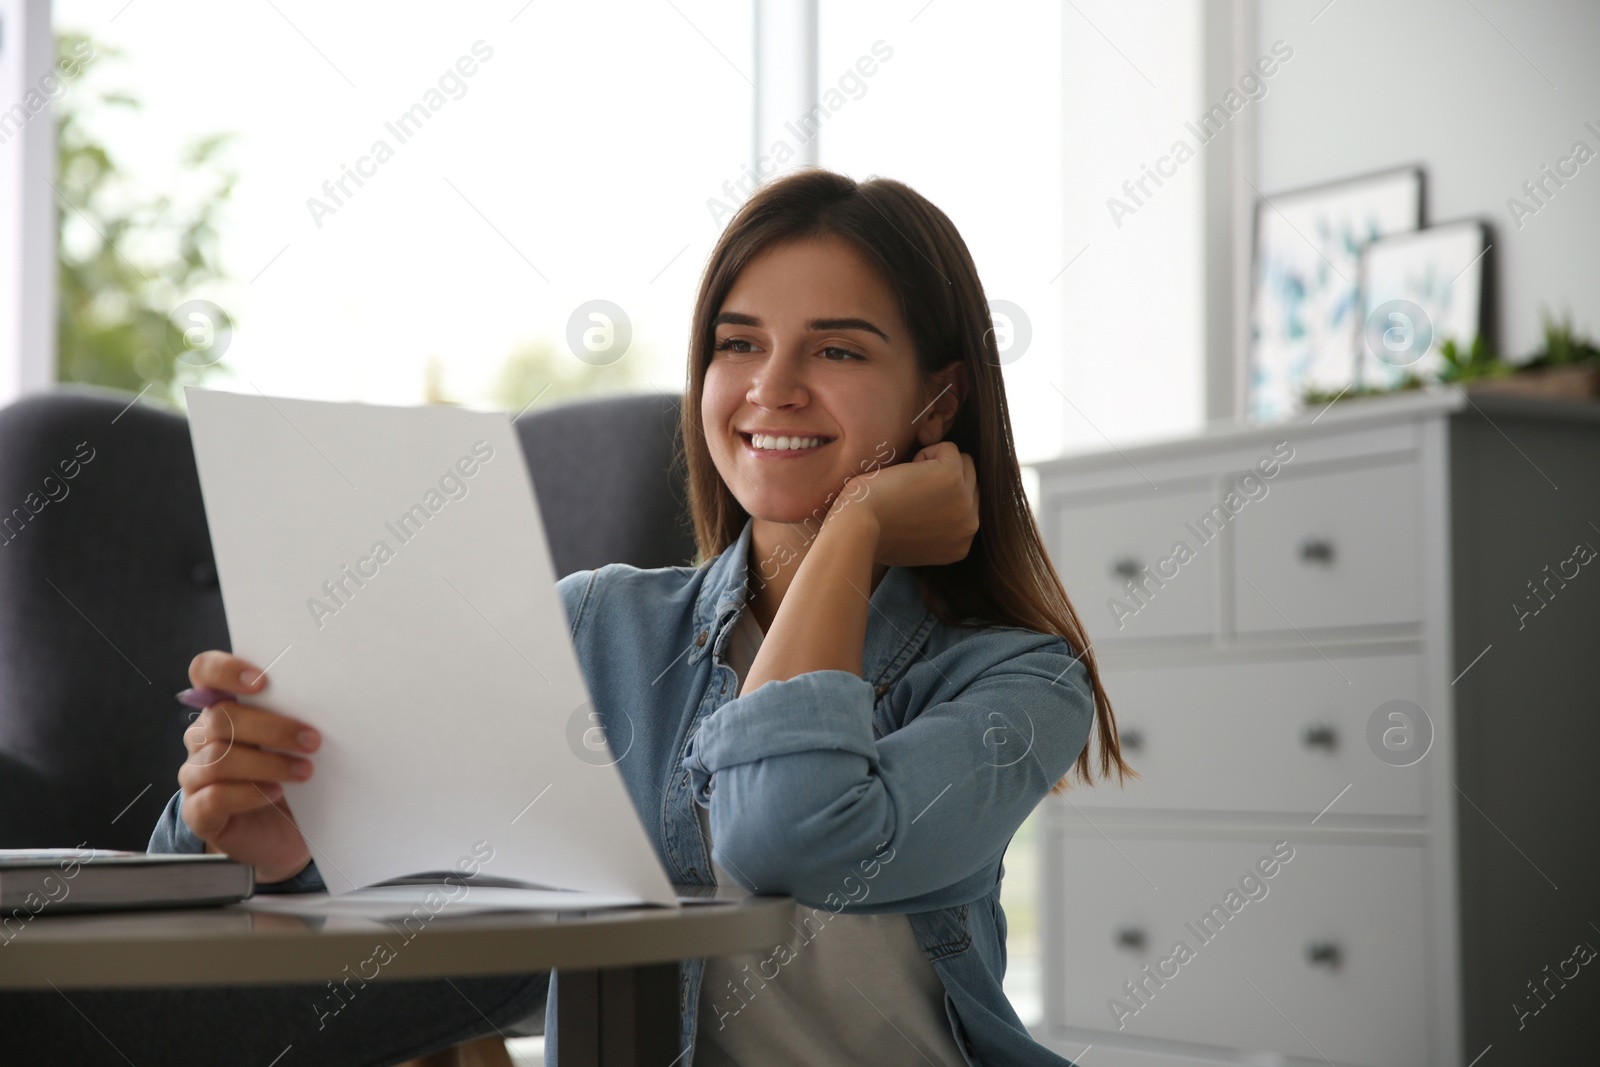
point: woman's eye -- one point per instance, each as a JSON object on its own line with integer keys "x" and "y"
{"x": 840, "y": 354}
{"x": 727, "y": 345}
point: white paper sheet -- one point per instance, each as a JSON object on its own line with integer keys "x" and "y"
{"x": 430, "y": 902}
{"x": 438, "y": 667}
{"x": 380, "y": 903}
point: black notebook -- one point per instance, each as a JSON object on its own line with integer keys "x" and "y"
{"x": 48, "y": 881}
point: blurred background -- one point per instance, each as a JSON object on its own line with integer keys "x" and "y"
{"x": 256, "y": 182}
{"x": 597, "y": 155}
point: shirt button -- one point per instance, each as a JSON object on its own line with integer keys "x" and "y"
{"x": 882, "y": 689}
{"x": 700, "y": 640}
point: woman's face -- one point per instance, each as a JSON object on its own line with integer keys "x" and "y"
{"x": 812, "y": 379}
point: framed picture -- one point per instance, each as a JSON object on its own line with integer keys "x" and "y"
{"x": 1304, "y": 308}
{"x": 1417, "y": 290}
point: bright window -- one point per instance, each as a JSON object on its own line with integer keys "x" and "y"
{"x": 574, "y": 163}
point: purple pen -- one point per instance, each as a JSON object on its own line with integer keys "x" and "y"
{"x": 204, "y": 698}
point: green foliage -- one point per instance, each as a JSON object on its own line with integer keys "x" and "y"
{"x": 1310, "y": 395}
{"x": 126, "y": 263}
{"x": 1561, "y": 346}
{"x": 1478, "y": 362}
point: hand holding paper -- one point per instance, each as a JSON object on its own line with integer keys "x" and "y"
{"x": 240, "y": 756}
{"x": 388, "y": 567}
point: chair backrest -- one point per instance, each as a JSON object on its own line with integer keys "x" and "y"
{"x": 108, "y": 588}
{"x": 608, "y": 486}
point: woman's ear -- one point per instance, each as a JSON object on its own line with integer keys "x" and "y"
{"x": 945, "y": 397}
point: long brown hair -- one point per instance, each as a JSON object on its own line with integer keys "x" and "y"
{"x": 1005, "y": 579}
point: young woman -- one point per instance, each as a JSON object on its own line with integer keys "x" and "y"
{"x": 871, "y": 680}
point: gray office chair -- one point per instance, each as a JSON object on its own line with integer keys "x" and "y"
{"x": 108, "y": 589}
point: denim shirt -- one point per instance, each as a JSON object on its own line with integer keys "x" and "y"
{"x": 896, "y": 791}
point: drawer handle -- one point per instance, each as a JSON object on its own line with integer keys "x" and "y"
{"x": 1324, "y": 954}
{"x": 1127, "y": 568}
{"x": 1316, "y": 550}
{"x": 1322, "y": 737}
{"x": 1131, "y": 938}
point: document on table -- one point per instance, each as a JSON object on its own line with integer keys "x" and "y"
{"x": 388, "y": 567}
{"x": 425, "y": 902}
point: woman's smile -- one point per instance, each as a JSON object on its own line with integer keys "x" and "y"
{"x": 811, "y": 368}
{"x": 775, "y": 445}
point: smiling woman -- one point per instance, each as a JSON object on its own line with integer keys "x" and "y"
{"x": 795, "y": 403}
{"x": 903, "y": 680}
{"x": 843, "y": 365}
{"x": 852, "y": 313}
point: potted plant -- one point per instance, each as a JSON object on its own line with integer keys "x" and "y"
{"x": 1567, "y": 367}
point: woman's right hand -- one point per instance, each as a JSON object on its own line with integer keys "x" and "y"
{"x": 232, "y": 798}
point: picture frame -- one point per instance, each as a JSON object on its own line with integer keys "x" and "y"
{"x": 1306, "y": 275}
{"x": 1417, "y": 290}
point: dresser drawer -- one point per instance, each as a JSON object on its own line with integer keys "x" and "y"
{"x": 1326, "y": 956}
{"x": 1330, "y": 548}
{"x": 1281, "y": 737}
{"x": 1099, "y": 545}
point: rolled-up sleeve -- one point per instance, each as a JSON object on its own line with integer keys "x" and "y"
{"x": 837, "y": 717}
{"x": 803, "y": 796}
{"x": 172, "y": 834}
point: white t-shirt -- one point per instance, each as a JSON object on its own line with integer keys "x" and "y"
{"x": 844, "y": 989}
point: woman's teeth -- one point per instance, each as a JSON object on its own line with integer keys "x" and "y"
{"x": 764, "y": 441}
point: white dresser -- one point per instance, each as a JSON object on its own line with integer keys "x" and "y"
{"x": 1356, "y": 838}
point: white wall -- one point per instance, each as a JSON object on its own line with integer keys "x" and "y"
{"x": 27, "y": 215}
{"x": 1483, "y": 94}
{"x": 1132, "y": 299}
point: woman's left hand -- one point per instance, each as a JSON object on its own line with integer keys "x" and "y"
{"x": 926, "y": 509}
